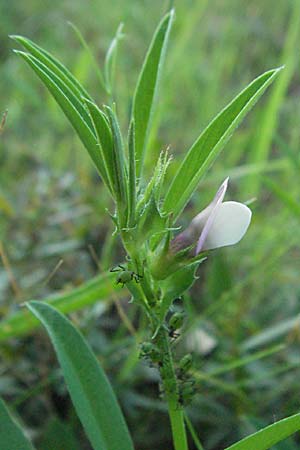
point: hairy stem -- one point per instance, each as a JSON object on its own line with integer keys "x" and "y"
{"x": 166, "y": 368}
{"x": 170, "y": 387}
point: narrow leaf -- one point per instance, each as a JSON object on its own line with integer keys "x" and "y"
{"x": 90, "y": 390}
{"x": 60, "y": 83}
{"x": 120, "y": 166}
{"x": 147, "y": 86}
{"x": 70, "y": 107}
{"x": 271, "y": 435}
{"x": 210, "y": 143}
{"x": 11, "y": 435}
{"x": 53, "y": 64}
{"x": 131, "y": 176}
{"x": 105, "y": 143}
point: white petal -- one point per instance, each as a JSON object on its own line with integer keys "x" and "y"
{"x": 201, "y": 224}
{"x": 229, "y": 225}
{"x": 200, "y": 220}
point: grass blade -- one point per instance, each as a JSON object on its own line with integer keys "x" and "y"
{"x": 11, "y": 435}
{"x": 193, "y": 433}
{"x": 210, "y": 143}
{"x": 90, "y": 54}
{"x": 110, "y": 60}
{"x": 284, "y": 196}
{"x": 147, "y": 86}
{"x": 90, "y": 390}
{"x": 269, "y": 120}
{"x": 97, "y": 289}
{"x": 271, "y": 435}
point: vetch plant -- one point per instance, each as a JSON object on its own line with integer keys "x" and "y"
{"x": 161, "y": 262}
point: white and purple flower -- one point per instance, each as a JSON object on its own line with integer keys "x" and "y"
{"x": 220, "y": 224}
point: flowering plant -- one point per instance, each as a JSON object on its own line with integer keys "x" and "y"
{"x": 159, "y": 266}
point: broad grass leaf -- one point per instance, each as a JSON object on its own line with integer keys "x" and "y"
{"x": 11, "y": 435}
{"x": 210, "y": 143}
{"x": 90, "y": 390}
{"x": 147, "y": 86}
{"x": 269, "y": 436}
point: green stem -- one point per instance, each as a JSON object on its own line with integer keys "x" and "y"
{"x": 177, "y": 426}
{"x": 170, "y": 387}
{"x": 167, "y": 370}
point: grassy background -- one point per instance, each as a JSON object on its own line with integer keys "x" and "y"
{"x": 53, "y": 208}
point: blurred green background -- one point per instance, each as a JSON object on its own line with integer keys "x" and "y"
{"x": 55, "y": 233}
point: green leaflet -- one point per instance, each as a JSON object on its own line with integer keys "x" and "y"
{"x": 90, "y": 390}
{"x": 131, "y": 177}
{"x": 67, "y": 103}
{"x": 11, "y": 435}
{"x": 68, "y": 93}
{"x": 53, "y": 64}
{"x": 271, "y": 435}
{"x": 105, "y": 143}
{"x": 147, "y": 86}
{"x": 76, "y": 101}
{"x": 210, "y": 143}
{"x": 119, "y": 166}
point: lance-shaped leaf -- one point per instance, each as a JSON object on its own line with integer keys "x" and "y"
{"x": 120, "y": 166}
{"x": 269, "y": 436}
{"x": 73, "y": 108}
{"x": 74, "y": 99}
{"x": 105, "y": 143}
{"x": 147, "y": 85}
{"x": 210, "y": 143}
{"x": 11, "y": 435}
{"x": 53, "y": 64}
{"x": 131, "y": 176}
{"x": 90, "y": 390}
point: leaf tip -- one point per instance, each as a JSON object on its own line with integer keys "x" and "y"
{"x": 15, "y": 37}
